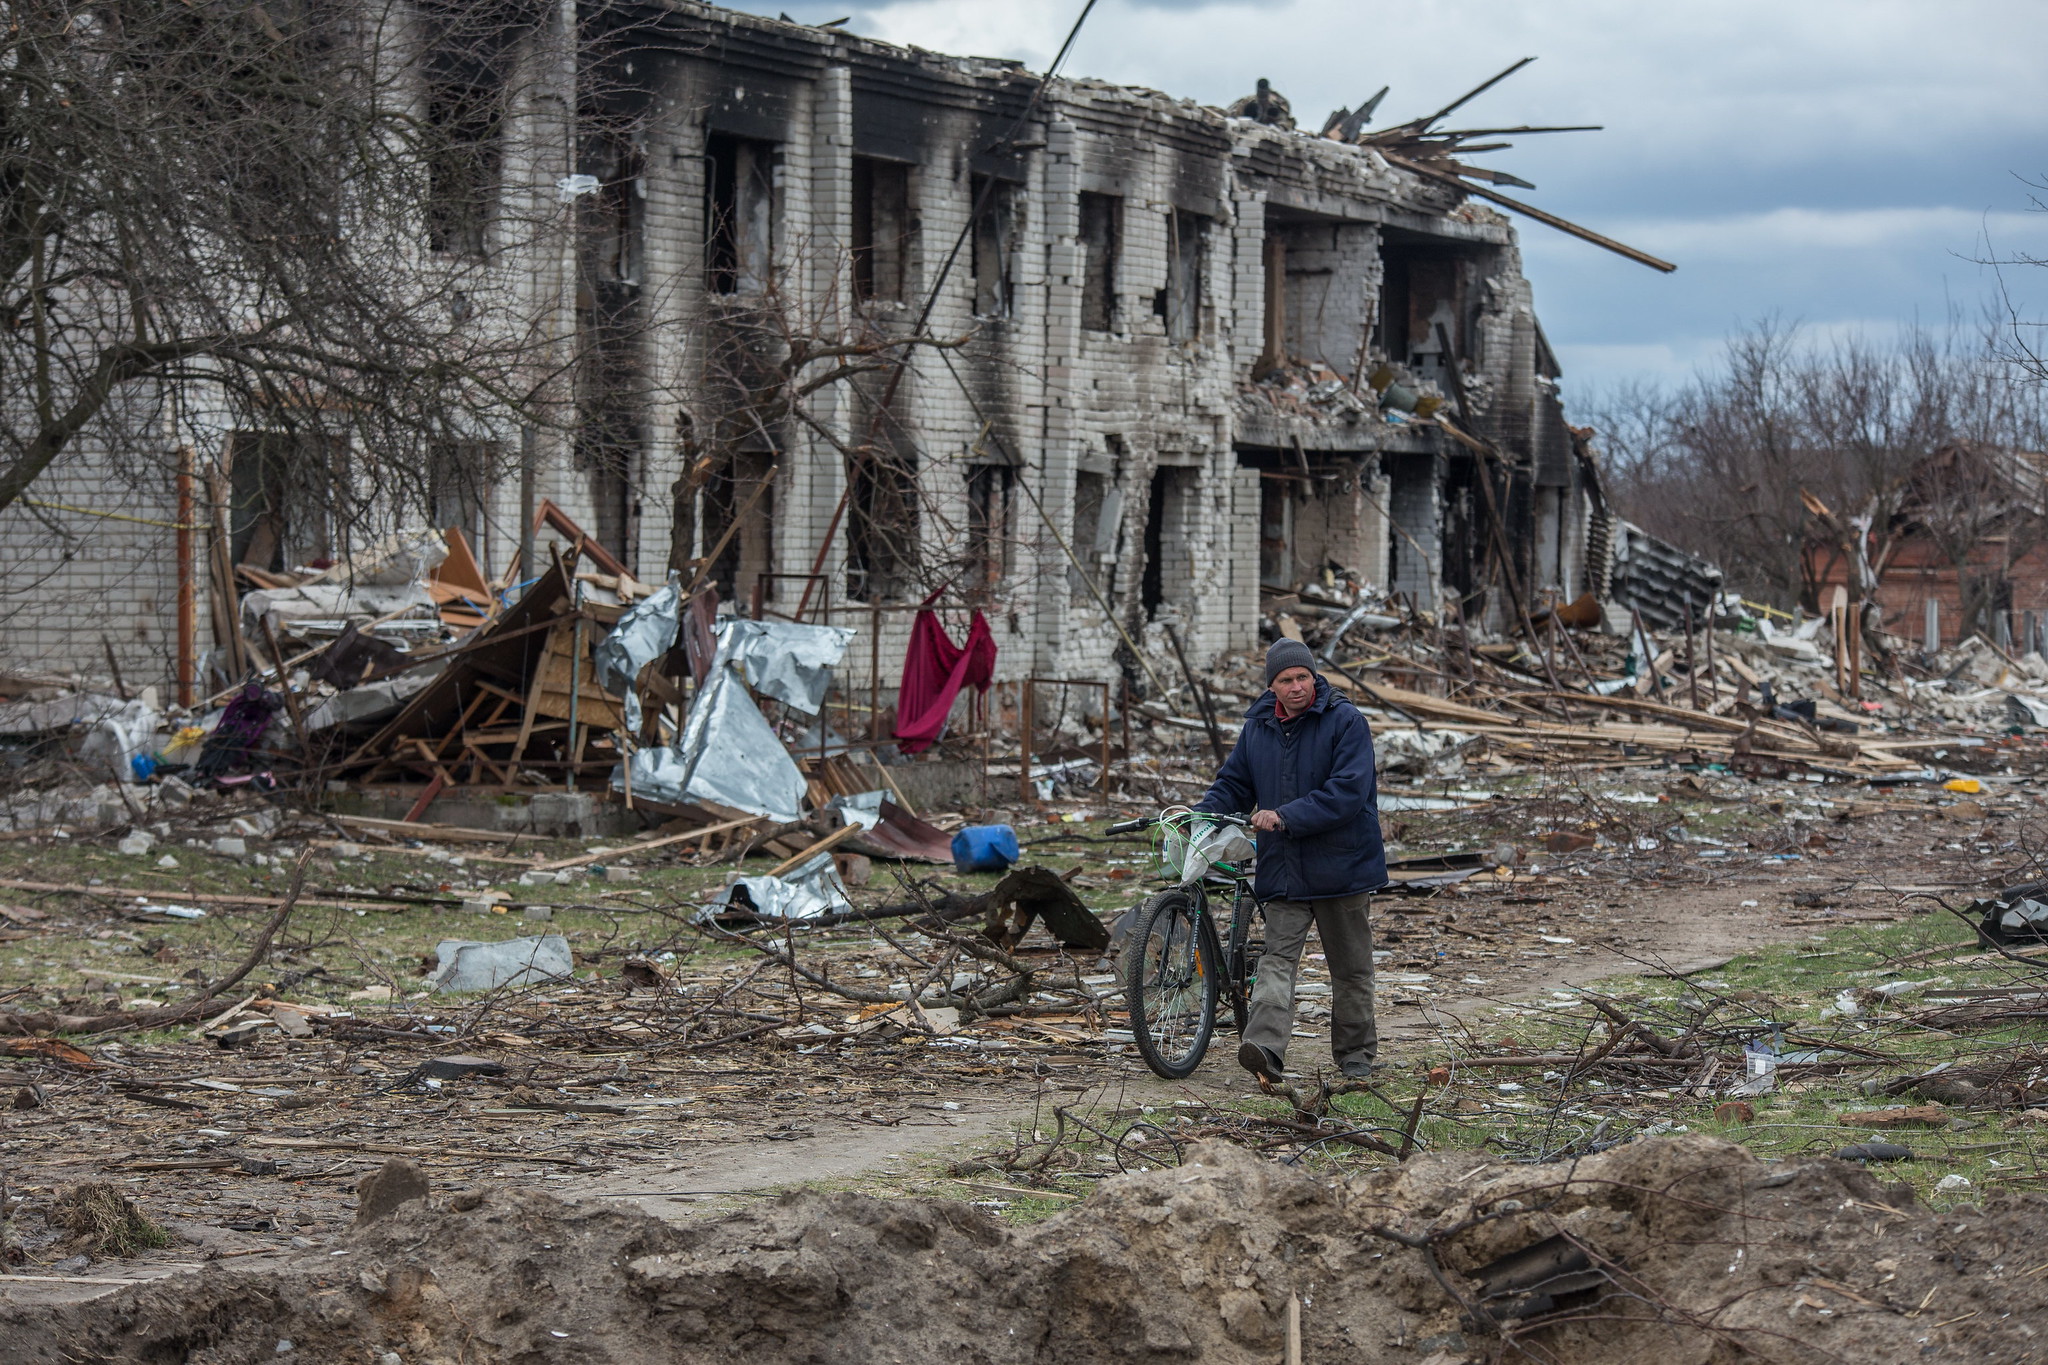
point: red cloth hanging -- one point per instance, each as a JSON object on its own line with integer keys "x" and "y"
{"x": 934, "y": 671}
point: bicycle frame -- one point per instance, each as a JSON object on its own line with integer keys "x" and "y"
{"x": 1234, "y": 938}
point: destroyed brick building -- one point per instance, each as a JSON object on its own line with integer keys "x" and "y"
{"x": 1966, "y": 552}
{"x": 1192, "y": 362}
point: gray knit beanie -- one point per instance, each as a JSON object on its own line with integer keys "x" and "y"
{"x": 1282, "y": 655}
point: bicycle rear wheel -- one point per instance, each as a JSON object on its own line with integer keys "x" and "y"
{"x": 1170, "y": 983}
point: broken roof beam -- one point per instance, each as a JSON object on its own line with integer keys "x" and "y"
{"x": 1550, "y": 219}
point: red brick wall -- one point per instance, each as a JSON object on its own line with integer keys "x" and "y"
{"x": 1919, "y": 572}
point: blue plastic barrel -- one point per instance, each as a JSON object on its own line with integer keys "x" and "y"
{"x": 985, "y": 848}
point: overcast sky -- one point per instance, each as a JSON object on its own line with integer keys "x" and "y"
{"x": 1842, "y": 164}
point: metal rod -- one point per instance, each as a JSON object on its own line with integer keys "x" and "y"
{"x": 575, "y": 683}
{"x": 1024, "y": 768}
{"x": 284, "y": 682}
{"x": 1201, "y": 696}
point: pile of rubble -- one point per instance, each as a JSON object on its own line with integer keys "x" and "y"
{"x": 1688, "y": 1249}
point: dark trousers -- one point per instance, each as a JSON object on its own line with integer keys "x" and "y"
{"x": 1344, "y": 924}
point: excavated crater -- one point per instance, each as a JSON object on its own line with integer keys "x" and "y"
{"x": 1688, "y": 1251}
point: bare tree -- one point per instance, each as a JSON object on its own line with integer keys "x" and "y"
{"x": 770, "y": 357}
{"x": 298, "y": 214}
{"x": 1790, "y": 449}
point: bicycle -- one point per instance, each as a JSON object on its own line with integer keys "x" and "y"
{"x": 1175, "y": 965}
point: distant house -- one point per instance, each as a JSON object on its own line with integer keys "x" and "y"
{"x": 1966, "y": 555}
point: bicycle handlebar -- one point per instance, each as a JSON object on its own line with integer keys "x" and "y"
{"x": 1146, "y": 821}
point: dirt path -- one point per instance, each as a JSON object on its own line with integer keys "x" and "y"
{"x": 881, "y": 1118}
{"x": 1625, "y": 930}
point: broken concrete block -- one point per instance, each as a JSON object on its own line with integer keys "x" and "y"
{"x": 389, "y": 1188}
{"x": 466, "y": 965}
{"x": 294, "y": 1024}
{"x": 230, "y": 847}
{"x": 539, "y": 912}
{"x": 620, "y": 874}
{"x": 136, "y": 842}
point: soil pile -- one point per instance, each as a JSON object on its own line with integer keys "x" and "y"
{"x": 1689, "y": 1251}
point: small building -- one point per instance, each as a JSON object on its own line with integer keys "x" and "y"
{"x": 1965, "y": 553}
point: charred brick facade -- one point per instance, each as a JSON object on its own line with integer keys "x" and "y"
{"x": 1191, "y": 351}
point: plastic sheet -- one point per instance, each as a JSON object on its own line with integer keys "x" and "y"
{"x": 727, "y": 753}
{"x": 809, "y": 892}
{"x": 643, "y": 634}
{"x": 117, "y": 737}
{"x": 467, "y": 965}
{"x": 781, "y": 659}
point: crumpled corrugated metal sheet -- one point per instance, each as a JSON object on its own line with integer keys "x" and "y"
{"x": 1659, "y": 580}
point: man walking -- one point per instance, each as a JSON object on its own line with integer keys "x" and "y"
{"x": 1304, "y": 766}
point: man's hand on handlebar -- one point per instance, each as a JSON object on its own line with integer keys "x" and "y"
{"x": 1268, "y": 822}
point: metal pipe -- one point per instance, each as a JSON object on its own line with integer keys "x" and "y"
{"x": 188, "y": 623}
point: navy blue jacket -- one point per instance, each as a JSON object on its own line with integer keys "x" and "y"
{"x": 1315, "y": 770}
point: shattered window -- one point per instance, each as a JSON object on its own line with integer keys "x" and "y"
{"x": 881, "y": 229}
{"x": 739, "y": 213}
{"x": 619, "y": 209}
{"x": 882, "y": 512}
{"x": 282, "y": 492}
{"x": 458, "y": 489}
{"x": 1180, "y": 303}
{"x": 881, "y": 539}
{"x": 464, "y": 158}
{"x": 1098, "y": 514}
{"x": 988, "y": 525}
{"x": 749, "y": 553}
{"x": 994, "y": 231}
{"x": 1169, "y": 542}
{"x": 1101, "y": 227}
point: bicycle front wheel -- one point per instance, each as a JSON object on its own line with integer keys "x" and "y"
{"x": 1170, "y": 984}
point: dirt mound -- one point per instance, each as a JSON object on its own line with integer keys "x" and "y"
{"x": 1688, "y": 1249}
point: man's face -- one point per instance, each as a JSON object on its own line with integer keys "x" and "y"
{"x": 1296, "y": 689}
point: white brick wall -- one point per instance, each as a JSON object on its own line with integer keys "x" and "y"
{"x": 1053, "y": 391}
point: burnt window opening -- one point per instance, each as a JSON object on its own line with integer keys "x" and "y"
{"x": 882, "y": 524}
{"x": 1101, "y": 238}
{"x": 1276, "y": 533}
{"x": 620, "y": 211}
{"x": 994, "y": 234}
{"x": 464, "y": 161}
{"x": 750, "y": 552}
{"x": 881, "y": 229}
{"x": 282, "y": 498}
{"x": 459, "y": 475}
{"x": 739, "y": 213}
{"x": 1169, "y": 552}
{"x": 1421, "y": 288}
{"x": 1180, "y": 303}
{"x": 989, "y": 489}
